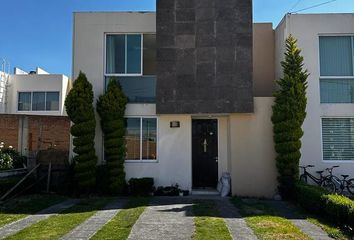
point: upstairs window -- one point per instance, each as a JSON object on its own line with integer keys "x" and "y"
{"x": 336, "y": 69}
{"x": 124, "y": 54}
{"x": 131, "y": 60}
{"x": 38, "y": 101}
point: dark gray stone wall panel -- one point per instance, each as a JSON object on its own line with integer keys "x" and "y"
{"x": 204, "y": 55}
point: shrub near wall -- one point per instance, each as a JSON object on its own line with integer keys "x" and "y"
{"x": 337, "y": 208}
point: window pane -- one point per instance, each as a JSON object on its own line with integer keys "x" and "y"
{"x": 337, "y": 90}
{"x": 24, "y": 101}
{"x": 336, "y": 56}
{"x": 149, "y": 138}
{"x": 137, "y": 89}
{"x": 38, "y": 101}
{"x": 115, "y": 54}
{"x": 149, "y": 54}
{"x": 133, "y": 53}
{"x": 338, "y": 138}
{"x": 52, "y": 102}
{"x": 132, "y": 138}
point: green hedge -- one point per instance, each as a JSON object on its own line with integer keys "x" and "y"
{"x": 141, "y": 186}
{"x": 337, "y": 208}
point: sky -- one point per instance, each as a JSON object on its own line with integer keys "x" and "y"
{"x": 39, "y": 32}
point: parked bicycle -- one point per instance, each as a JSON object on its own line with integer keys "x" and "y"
{"x": 322, "y": 181}
{"x": 340, "y": 184}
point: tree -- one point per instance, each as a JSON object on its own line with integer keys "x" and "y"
{"x": 111, "y": 107}
{"x": 289, "y": 112}
{"x": 79, "y": 106}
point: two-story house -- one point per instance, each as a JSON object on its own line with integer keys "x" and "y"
{"x": 327, "y": 42}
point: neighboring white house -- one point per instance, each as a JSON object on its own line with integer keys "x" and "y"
{"x": 34, "y": 93}
{"x": 326, "y": 41}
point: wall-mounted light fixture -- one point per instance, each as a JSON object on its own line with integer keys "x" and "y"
{"x": 175, "y": 124}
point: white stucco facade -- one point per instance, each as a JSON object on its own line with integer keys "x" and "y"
{"x": 243, "y": 159}
{"x": 307, "y": 28}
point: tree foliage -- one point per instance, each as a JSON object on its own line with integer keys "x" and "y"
{"x": 289, "y": 112}
{"x": 79, "y": 106}
{"x": 111, "y": 108}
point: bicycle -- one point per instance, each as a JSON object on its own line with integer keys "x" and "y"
{"x": 342, "y": 183}
{"x": 322, "y": 181}
{"x": 306, "y": 175}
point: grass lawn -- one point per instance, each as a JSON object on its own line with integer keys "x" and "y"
{"x": 58, "y": 225}
{"x": 120, "y": 226}
{"x": 332, "y": 230}
{"x": 265, "y": 223}
{"x": 18, "y": 208}
{"x": 208, "y": 225}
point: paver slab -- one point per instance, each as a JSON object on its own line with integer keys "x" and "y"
{"x": 89, "y": 227}
{"x": 312, "y": 230}
{"x": 23, "y": 223}
{"x": 237, "y": 226}
{"x": 165, "y": 218}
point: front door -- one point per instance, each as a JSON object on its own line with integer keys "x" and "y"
{"x": 205, "y": 153}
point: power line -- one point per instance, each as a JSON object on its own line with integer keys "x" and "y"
{"x": 295, "y": 5}
{"x": 314, "y": 6}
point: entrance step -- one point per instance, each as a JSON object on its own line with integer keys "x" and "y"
{"x": 208, "y": 192}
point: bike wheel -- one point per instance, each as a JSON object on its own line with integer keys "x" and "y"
{"x": 329, "y": 186}
{"x": 303, "y": 179}
{"x": 350, "y": 186}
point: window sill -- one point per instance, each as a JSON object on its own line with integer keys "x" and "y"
{"x": 141, "y": 161}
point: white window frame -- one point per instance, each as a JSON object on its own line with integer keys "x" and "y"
{"x": 319, "y": 62}
{"x": 322, "y": 149}
{"x": 45, "y": 101}
{"x": 141, "y": 140}
{"x": 126, "y": 57}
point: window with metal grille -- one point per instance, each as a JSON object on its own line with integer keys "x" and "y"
{"x": 338, "y": 139}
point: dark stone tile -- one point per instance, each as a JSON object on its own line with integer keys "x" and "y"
{"x": 166, "y": 67}
{"x": 224, "y": 67}
{"x": 206, "y": 54}
{"x": 166, "y": 54}
{"x": 167, "y": 28}
{"x": 165, "y": 15}
{"x": 185, "y": 3}
{"x": 205, "y": 4}
{"x": 205, "y": 68}
{"x": 226, "y": 54}
{"x": 206, "y": 27}
{"x": 185, "y": 41}
{"x": 185, "y": 28}
{"x": 205, "y": 40}
{"x": 185, "y": 61}
{"x": 165, "y": 4}
{"x": 165, "y": 40}
{"x": 185, "y": 15}
{"x": 205, "y": 14}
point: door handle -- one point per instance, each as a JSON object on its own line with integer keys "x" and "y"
{"x": 216, "y": 159}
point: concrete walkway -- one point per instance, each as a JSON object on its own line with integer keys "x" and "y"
{"x": 237, "y": 225}
{"x": 312, "y": 230}
{"x": 88, "y": 228}
{"x": 165, "y": 218}
{"x": 17, "y": 226}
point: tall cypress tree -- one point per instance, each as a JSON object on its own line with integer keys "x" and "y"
{"x": 289, "y": 112}
{"x": 111, "y": 108}
{"x": 79, "y": 106}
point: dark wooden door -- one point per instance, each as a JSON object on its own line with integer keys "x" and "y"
{"x": 205, "y": 153}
